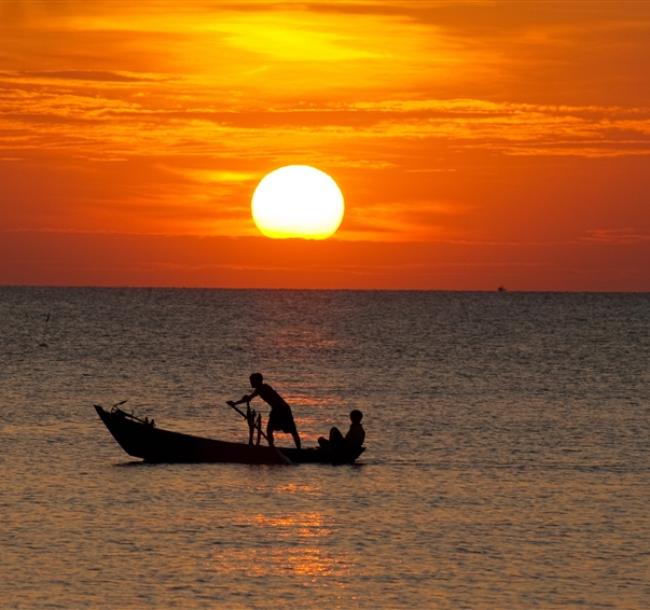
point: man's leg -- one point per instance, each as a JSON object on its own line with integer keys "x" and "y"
{"x": 336, "y": 438}
{"x": 296, "y": 438}
{"x": 269, "y": 433}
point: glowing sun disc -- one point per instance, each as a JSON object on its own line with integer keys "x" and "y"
{"x": 297, "y": 201}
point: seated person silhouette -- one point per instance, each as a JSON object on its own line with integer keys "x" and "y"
{"x": 352, "y": 441}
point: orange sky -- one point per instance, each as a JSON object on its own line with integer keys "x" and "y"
{"x": 477, "y": 143}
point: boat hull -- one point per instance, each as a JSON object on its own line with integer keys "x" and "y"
{"x": 143, "y": 440}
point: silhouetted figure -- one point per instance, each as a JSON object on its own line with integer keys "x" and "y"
{"x": 280, "y": 417}
{"x": 43, "y": 343}
{"x": 352, "y": 441}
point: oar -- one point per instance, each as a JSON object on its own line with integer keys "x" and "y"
{"x": 281, "y": 455}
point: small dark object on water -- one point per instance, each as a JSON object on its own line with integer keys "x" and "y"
{"x": 140, "y": 438}
{"x": 43, "y": 343}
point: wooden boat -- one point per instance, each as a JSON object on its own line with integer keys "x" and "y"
{"x": 141, "y": 438}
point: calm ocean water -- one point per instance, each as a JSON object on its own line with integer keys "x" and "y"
{"x": 508, "y": 460}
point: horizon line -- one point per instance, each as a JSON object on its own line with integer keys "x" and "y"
{"x": 496, "y": 290}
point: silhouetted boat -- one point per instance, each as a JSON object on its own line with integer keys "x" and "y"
{"x": 140, "y": 438}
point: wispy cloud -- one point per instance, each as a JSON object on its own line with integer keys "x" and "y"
{"x": 39, "y": 76}
{"x": 624, "y": 236}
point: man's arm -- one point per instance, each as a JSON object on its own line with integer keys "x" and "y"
{"x": 244, "y": 398}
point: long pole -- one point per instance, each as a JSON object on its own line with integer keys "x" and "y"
{"x": 283, "y": 457}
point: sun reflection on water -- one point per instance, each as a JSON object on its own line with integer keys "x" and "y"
{"x": 306, "y": 525}
{"x": 287, "y": 543}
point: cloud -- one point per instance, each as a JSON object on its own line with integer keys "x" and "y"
{"x": 617, "y": 237}
{"x": 120, "y": 124}
{"x": 213, "y": 176}
{"x": 81, "y": 75}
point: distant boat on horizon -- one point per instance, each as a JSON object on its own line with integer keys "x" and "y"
{"x": 502, "y": 289}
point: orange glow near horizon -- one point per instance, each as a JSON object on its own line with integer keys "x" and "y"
{"x": 478, "y": 144}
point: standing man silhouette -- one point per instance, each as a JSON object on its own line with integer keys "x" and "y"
{"x": 280, "y": 417}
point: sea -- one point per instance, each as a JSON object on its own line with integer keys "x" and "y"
{"x": 507, "y": 461}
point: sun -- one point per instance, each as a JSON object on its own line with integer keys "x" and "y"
{"x": 297, "y": 201}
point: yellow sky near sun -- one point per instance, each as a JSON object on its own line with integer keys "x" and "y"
{"x": 443, "y": 122}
